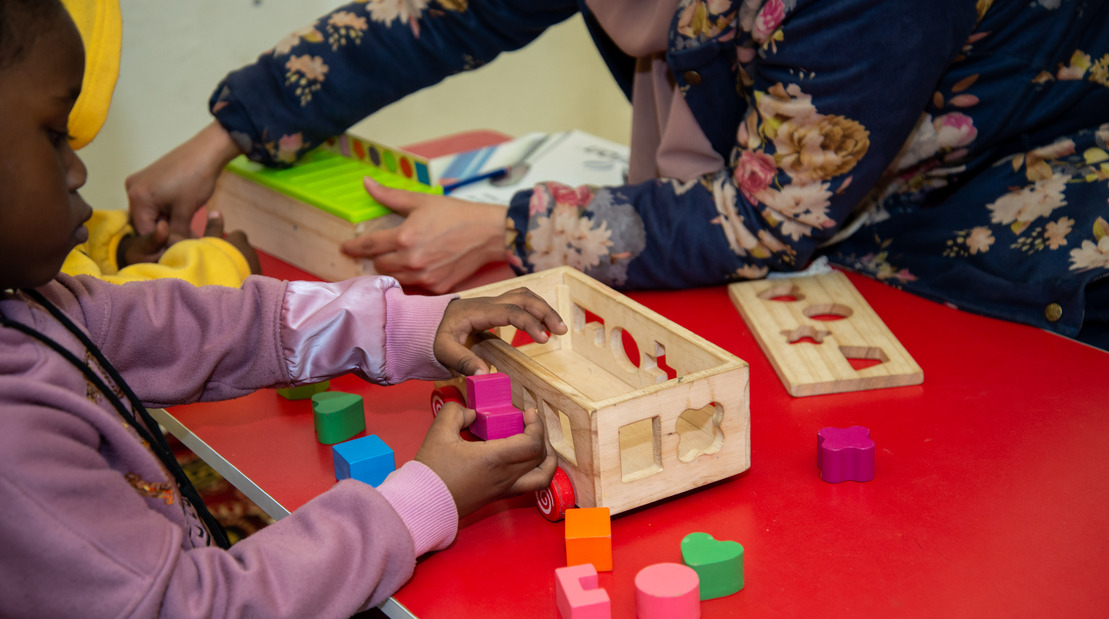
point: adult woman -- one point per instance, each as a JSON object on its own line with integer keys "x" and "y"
{"x": 961, "y": 142}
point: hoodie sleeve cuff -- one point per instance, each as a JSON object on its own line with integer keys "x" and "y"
{"x": 425, "y": 505}
{"x": 410, "y": 336}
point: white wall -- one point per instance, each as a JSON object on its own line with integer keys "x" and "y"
{"x": 174, "y": 53}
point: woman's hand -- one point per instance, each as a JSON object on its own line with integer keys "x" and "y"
{"x": 441, "y": 241}
{"x": 520, "y": 308}
{"x": 175, "y": 186}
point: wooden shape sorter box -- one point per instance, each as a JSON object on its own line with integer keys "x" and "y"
{"x": 627, "y": 431}
{"x": 813, "y": 327}
{"x": 302, "y": 214}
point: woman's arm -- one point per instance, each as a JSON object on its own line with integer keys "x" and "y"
{"x": 320, "y": 80}
{"x": 831, "y": 91}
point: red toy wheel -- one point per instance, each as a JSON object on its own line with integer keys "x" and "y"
{"x": 444, "y": 394}
{"x": 554, "y": 500}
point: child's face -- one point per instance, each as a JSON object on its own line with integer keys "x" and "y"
{"x": 41, "y": 213}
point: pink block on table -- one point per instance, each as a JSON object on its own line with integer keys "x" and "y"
{"x": 491, "y": 396}
{"x": 845, "y": 454}
{"x": 667, "y": 591}
{"x": 577, "y": 594}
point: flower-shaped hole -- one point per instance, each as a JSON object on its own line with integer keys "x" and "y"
{"x": 699, "y": 432}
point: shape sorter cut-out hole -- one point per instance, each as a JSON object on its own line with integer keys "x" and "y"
{"x": 586, "y": 321}
{"x": 583, "y": 317}
{"x": 640, "y": 449}
{"x": 521, "y": 338}
{"x": 828, "y": 311}
{"x": 699, "y": 432}
{"x": 624, "y": 347}
{"x": 863, "y": 357}
{"x": 559, "y": 431}
{"x": 806, "y": 334}
{"x": 656, "y": 364}
{"x": 783, "y": 292}
{"x": 661, "y": 362}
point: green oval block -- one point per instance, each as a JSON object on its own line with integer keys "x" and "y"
{"x": 303, "y": 392}
{"x": 337, "y": 416}
{"x": 719, "y": 564}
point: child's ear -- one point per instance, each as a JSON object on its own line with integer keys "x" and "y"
{"x": 102, "y": 32}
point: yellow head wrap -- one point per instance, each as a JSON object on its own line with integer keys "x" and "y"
{"x": 102, "y": 32}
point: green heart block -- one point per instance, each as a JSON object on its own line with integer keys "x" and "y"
{"x": 337, "y": 416}
{"x": 719, "y": 564}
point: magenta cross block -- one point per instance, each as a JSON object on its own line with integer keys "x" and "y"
{"x": 491, "y": 396}
{"x": 845, "y": 454}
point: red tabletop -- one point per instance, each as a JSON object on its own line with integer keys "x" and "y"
{"x": 991, "y": 496}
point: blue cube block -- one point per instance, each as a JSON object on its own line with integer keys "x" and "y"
{"x": 367, "y": 459}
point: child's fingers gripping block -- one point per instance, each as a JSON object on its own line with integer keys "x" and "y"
{"x": 501, "y": 424}
{"x": 337, "y": 416}
{"x": 845, "y": 454}
{"x": 667, "y": 591}
{"x": 367, "y": 459}
{"x": 577, "y": 594}
{"x": 589, "y": 537}
{"x": 719, "y": 564}
{"x": 491, "y": 396}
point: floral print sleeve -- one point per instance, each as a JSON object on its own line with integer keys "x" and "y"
{"x": 808, "y": 102}
{"x": 956, "y": 149}
{"x": 318, "y": 81}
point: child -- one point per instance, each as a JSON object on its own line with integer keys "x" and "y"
{"x": 96, "y": 518}
{"x": 113, "y": 252}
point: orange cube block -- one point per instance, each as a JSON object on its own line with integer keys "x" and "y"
{"x": 589, "y": 537}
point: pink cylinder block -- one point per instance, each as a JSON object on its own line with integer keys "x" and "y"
{"x": 667, "y": 591}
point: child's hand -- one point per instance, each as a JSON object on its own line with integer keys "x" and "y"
{"x": 134, "y": 249}
{"x": 520, "y": 308}
{"x": 237, "y": 238}
{"x": 480, "y": 472}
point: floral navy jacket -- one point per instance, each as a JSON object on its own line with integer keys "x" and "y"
{"x": 954, "y": 148}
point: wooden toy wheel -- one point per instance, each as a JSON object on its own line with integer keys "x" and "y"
{"x": 554, "y": 500}
{"x": 444, "y": 394}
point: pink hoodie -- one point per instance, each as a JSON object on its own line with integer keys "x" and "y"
{"x": 91, "y": 524}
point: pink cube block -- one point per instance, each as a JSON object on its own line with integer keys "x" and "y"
{"x": 489, "y": 391}
{"x": 577, "y": 594}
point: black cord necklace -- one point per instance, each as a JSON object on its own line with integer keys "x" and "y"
{"x": 148, "y": 429}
